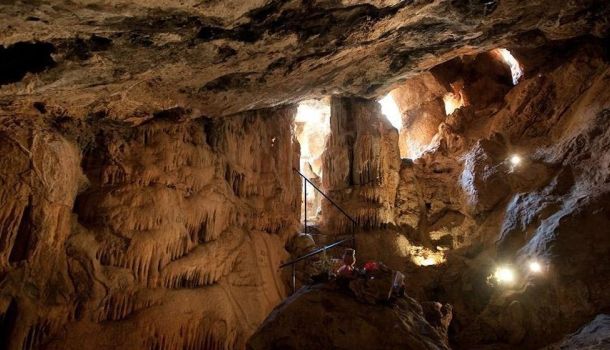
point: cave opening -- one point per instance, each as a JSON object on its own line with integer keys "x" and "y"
{"x": 312, "y": 127}
{"x": 419, "y": 105}
{"x": 151, "y": 196}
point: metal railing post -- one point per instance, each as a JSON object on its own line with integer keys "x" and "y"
{"x": 294, "y": 278}
{"x": 354, "y": 236}
{"x": 305, "y": 206}
{"x": 292, "y": 263}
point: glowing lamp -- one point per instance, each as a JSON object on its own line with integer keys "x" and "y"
{"x": 535, "y": 267}
{"x": 504, "y": 275}
{"x": 515, "y": 160}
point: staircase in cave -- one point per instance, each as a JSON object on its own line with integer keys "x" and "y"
{"x": 339, "y": 241}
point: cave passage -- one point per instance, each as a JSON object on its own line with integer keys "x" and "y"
{"x": 312, "y": 127}
{"x": 155, "y": 155}
{"x": 18, "y": 59}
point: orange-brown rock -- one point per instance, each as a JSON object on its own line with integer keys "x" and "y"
{"x": 167, "y": 235}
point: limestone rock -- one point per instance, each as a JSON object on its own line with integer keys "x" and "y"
{"x": 320, "y": 317}
{"x": 595, "y": 335}
{"x": 130, "y": 59}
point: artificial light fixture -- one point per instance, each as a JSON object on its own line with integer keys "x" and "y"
{"x": 535, "y": 267}
{"x": 515, "y": 160}
{"x": 504, "y": 275}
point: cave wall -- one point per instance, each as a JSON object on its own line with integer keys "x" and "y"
{"x": 167, "y": 235}
{"x": 360, "y": 165}
{"x": 464, "y": 195}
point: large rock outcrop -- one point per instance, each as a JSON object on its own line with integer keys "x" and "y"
{"x": 129, "y": 59}
{"x": 323, "y": 317}
{"x": 164, "y": 236}
{"x": 147, "y": 198}
{"x": 464, "y": 199}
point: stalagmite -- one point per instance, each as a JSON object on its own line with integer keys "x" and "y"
{"x": 150, "y": 195}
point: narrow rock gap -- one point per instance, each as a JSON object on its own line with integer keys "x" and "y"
{"x": 22, "y": 245}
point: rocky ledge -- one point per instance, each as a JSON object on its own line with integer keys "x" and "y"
{"x": 325, "y": 316}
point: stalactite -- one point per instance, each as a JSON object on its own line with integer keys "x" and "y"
{"x": 168, "y": 208}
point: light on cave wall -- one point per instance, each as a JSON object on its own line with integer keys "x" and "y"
{"x": 426, "y": 257}
{"x": 513, "y": 64}
{"x": 390, "y": 109}
{"x": 535, "y": 266}
{"x": 515, "y": 160}
{"x": 452, "y": 102}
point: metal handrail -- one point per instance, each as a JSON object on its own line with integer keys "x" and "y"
{"x": 315, "y": 252}
{"x": 327, "y": 197}
{"x": 326, "y": 247}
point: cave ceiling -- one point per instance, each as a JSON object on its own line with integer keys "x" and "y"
{"x": 129, "y": 59}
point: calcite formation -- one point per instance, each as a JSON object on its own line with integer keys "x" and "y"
{"x": 167, "y": 235}
{"x": 147, "y": 153}
{"x": 464, "y": 198}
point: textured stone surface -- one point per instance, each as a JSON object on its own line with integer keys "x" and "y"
{"x": 129, "y": 59}
{"x": 322, "y": 317}
{"x": 162, "y": 236}
{"x": 133, "y": 217}
{"x": 464, "y": 194}
{"x": 595, "y": 335}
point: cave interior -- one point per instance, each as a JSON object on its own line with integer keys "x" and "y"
{"x": 189, "y": 175}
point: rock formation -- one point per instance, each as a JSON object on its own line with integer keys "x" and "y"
{"x": 320, "y": 317}
{"x": 147, "y": 185}
{"x": 129, "y": 59}
{"x": 464, "y": 194}
{"x": 167, "y": 235}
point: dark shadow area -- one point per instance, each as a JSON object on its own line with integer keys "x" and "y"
{"x": 23, "y": 57}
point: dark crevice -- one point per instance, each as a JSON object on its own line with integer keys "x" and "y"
{"x": 24, "y": 232}
{"x": 8, "y": 318}
{"x": 83, "y": 49}
{"x": 24, "y": 57}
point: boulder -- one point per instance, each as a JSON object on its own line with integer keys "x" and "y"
{"x": 324, "y": 316}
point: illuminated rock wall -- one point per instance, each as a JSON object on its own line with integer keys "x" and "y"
{"x": 465, "y": 200}
{"x": 163, "y": 236}
{"x": 360, "y": 165}
{"x": 552, "y": 207}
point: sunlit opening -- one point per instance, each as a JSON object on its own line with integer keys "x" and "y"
{"x": 391, "y": 111}
{"x": 515, "y": 68}
{"x": 504, "y": 275}
{"x": 426, "y": 257}
{"x": 453, "y": 101}
{"x": 312, "y": 126}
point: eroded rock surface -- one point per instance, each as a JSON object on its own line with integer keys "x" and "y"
{"x": 464, "y": 194}
{"x": 167, "y": 235}
{"x": 593, "y": 336}
{"x": 322, "y": 317}
{"x": 130, "y": 59}
{"x": 147, "y": 199}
